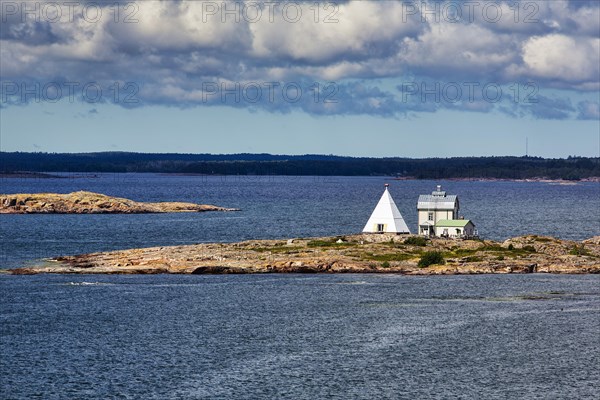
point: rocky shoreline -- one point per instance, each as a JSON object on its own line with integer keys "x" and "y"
{"x": 91, "y": 203}
{"x": 363, "y": 253}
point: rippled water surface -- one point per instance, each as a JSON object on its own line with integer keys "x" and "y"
{"x": 300, "y": 337}
{"x": 279, "y": 207}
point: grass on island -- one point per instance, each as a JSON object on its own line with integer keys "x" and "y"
{"x": 333, "y": 243}
{"x": 385, "y": 257}
{"x": 475, "y": 255}
{"x": 279, "y": 250}
{"x": 416, "y": 241}
{"x": 580, "y": 251}
{"x": 411, "y": 248}
{"x": 472, "y": 259}
{"x": 543, "y": 239}
{"x": 431, "y": 258}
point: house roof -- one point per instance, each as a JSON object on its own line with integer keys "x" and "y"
{"x": 453, "y": 223}
{"x": 388, "y": 214}
{"x": 436, "y": 202}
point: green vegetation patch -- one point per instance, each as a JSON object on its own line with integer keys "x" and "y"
{"x": 385, "y": 257}
{"x": 472, "y": 259}
{"x": 493, "y": 247}
{"x": 416, "y": 241}
{"x": 475, "y": 255}
{"x": 580, "y": 251}
{"x": 543, "y": 239}
{"x": 528, "y": 249}
{"x": 330, "y": 243}
{"x": 510, "y": 251}
{"x": 431, "y": 258}
{"x": 461, "y": 252}
{"x": 394, "y": 245}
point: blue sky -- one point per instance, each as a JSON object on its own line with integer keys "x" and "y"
{"x": 393, "y": 78}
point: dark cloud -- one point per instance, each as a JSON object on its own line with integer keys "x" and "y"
{"x": 31, "y": 33}
{"x": 551, "y": 108}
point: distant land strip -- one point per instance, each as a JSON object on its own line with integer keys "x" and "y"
{"x": 91, "y": 203}
{"x": 19, "y": 164}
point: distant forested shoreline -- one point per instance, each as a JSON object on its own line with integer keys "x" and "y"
{"x": 571, "y": 168}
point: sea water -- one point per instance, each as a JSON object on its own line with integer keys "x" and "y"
{"x": 294, "y": 336}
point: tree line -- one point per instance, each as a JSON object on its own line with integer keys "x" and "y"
{"x": 571, "y": 168}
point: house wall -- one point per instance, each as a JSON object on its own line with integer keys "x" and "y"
{"x": 429, "y": 232}
{"x": 439, "y": 231}
{"x": 468, "y": 230}
{"x": 437, "y": 215}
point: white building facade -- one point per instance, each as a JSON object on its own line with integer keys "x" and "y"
{"x": 436, "y": 207}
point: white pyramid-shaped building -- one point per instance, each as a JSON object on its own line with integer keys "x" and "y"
{"x": 386, "y": 217}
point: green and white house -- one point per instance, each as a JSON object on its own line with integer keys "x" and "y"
{"x": 438, "y": 216}
{"x": 454, "y": 228}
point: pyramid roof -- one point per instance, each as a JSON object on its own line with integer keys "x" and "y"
{"x": 386, "y": 213}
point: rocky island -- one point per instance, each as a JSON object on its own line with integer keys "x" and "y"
{"x": 365, "y": 253}
{"x": 91, "y": 203}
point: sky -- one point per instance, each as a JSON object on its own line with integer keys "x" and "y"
{"x": 358, "y": 78}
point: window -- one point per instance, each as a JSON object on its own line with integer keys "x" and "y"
{"x": 380, "y": 228}
{"x": 430, "y": 216}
